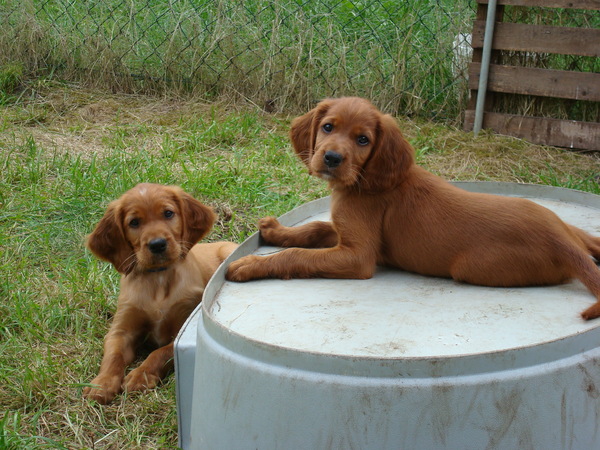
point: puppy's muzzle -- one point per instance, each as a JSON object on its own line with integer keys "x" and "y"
{"x": 157, "y": 246}
{"x": 332, "y": 159}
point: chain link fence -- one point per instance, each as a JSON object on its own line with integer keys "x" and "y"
{"x": 409, "y": 56}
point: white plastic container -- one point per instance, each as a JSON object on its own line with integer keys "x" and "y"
{"x": 399, "y": 361}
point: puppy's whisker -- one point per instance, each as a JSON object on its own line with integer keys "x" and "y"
{"x": 130, "y": 262}
{"x": 185, "y": 244}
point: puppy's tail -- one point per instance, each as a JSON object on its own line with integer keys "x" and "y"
{"x": 591, "y": 243}
{"x": 585, "y": 269}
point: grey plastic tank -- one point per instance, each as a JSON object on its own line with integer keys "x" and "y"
{"x": 399, "y": 361}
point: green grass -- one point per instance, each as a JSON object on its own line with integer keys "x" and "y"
{"x": 57, "y": 299}
{"x": 288, "y": 52}
{"x": 58, "y": 174}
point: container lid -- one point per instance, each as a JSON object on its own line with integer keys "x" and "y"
{"x": 397, "y": 314}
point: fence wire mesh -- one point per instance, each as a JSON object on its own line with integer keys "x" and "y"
{"x": 409, "y": 56}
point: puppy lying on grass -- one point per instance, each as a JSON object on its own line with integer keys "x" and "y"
{"x": 150, "y": 235}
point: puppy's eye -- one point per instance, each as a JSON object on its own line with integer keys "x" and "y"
{"x": 134, "y": 223}
{"x": 168, "y": 214}
{"x": 362, "y": 140}
{"x": 327, "y": 128}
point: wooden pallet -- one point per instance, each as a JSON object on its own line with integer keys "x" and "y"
{"x": 534, "y": 81}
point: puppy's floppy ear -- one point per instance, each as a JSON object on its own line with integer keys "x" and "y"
{"x": 108, "y": 242}
{"x": 198, "y": 219}
{"x": 390, "y": 159}
{"x": 304, "y": 131}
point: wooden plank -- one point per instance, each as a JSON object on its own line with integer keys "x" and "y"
{"x": 567, "y": 4}
{"x": 540, "y": 38}
{"x": 540, "y": 82}
{"x": 541, "y": 130}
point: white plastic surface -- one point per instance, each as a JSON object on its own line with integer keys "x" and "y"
{"x": 397, "y": 361}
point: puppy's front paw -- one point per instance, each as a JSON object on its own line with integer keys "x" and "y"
{"x": 269, "y": 227}
{"x": 103, "y": 389}
{"x": 140, "y": 380}
{"x": 245, "y": 269}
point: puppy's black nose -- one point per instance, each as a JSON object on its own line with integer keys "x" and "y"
{"x": 157, "y": 245}
{"x": 332, "y": 159}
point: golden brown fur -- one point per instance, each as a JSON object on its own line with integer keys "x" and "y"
{"x": 148, "y": 235}
{"x": 387, "y": 210}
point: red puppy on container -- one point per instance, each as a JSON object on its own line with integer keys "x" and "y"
{"x": 387, "y": 210}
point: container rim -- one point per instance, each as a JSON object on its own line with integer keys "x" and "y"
{"x": 415, "y": 367}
